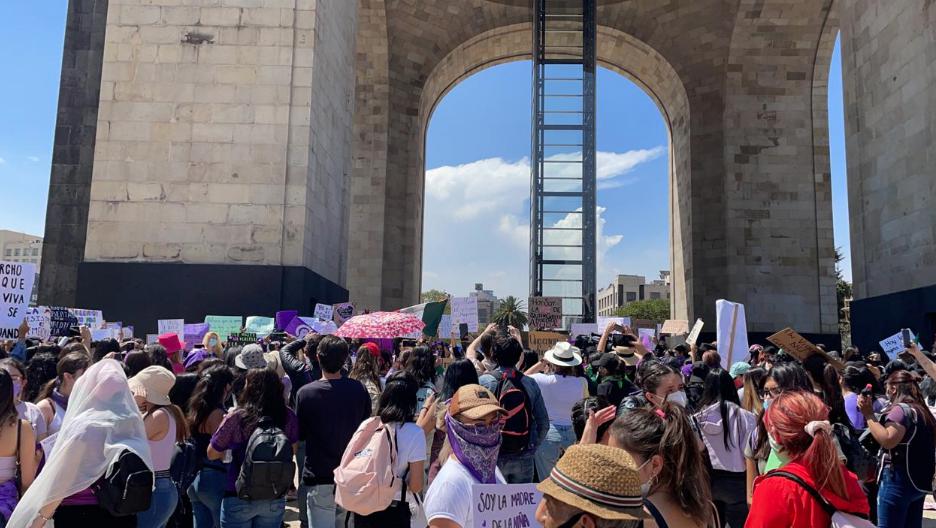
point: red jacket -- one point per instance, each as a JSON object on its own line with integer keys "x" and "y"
{"x": 782, "y": 503}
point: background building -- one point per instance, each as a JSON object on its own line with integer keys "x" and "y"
{"x": 629, "y": 288}
{"x": 488, "y": 303}
{"x": 22, "y": 247}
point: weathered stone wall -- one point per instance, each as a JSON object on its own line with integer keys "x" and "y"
{"x": 224, "y": 133}
{"x": 889, "y": 69}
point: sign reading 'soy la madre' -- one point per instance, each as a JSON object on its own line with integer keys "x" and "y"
{"x": 505, "y": 505}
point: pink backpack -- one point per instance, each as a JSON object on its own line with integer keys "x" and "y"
{"x": 364, "y": 481}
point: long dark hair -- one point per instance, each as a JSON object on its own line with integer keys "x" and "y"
{"x": 182, "y": 430}
{"x": 789, "y": 377}
{"x": 158, "y": 356}
{"x": 457, "y": 375}
{"x": 719, "y": 388}
{"x": 906, "y": 385}
{"x": 644, "y": 432}
{"x": 8, "y": 413}
{"x": 650, "y": 375}
{"x": 39, "y": 371}
{"x": 398, "y": 400}
{"x": 365, "y": 367}
{"x": 753, "y": 384}
{"x": 263, "y": 396}
{"x": 208, "y": 395}
{"x": 826, "y": 378}
{"x": 421, "y": 364}
{"x": 70, "y": 364}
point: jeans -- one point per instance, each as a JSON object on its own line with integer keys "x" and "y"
{"x": 729, "y": 493}
{"x": 302, "y": 490}
{"x": 206, "y": 494}
{"x": 163, "y": 505}
{"x": 900, "y": 505}
{"x": 517, "y": 469}
{"x": 323, "y": 512}
{"x": 558, "y": 439}
{"x": 238, "y": 513}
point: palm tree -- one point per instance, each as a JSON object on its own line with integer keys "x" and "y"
{"x": 511, "y": 312}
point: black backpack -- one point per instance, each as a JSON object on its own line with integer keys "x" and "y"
{"x": 268, "y": 467}
{"x": 917, "y": 455}
{"x": 186, "y": 463}
{"x": 858, "y": 459}
{"x": 513, "y": 398}
{"x": 127, "y": 486}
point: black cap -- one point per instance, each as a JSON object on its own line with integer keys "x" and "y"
{"x": 607, "y": 360}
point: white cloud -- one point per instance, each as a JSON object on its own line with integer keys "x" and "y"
{"x": 33, "y": 159}
{"x": 477, "y": 220}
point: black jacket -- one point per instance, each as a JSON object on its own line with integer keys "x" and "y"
{"x": 299, "y": 373}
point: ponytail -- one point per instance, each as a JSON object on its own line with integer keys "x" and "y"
{"x": 822, "y": 461}
{"x": 69, "y": 364}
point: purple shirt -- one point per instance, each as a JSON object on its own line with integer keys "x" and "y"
{"x": 233, "y": 434}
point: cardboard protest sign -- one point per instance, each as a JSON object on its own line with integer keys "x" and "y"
{"x": 194, "y": 334}
{"x": 262, "y": 326}
{"x": 61, "y": 320}
{"x": 675, "y": 327}
{"x": 40, "y": 322}
{"x": 731, "y": 331}
{"x": 91, "y": 318}
{"x": 224, "y": 325}
{"x": 243, "y": 338}
{"x": 545, "y": 313}
{"x": 323, "y": 311}
{"x": 505, "y": 505}
{"x": 694, "y": 333}
{"x": 465, "y": 311}
{"x": 894, "y": 344}
{"x": 585, "y": 329}
{"x": 342, "y": 312}
{"x": 16, "y": 284}
{"x": 799, "y": 347}
{"x": 173, "y": 326}
{"x": 542, "y": 341}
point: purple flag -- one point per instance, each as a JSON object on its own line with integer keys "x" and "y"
{"x": 284, "y": 317}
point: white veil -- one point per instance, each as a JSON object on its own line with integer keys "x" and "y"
{"x": 102, "y": 420}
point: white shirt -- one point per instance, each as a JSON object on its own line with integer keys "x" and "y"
{"x": 560, "y": 393}
{"x": 411, "y": 447}
{"x": 449, "y": 496}
{"x": 30, "y": 412}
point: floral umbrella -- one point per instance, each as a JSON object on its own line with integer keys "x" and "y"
{"x": 380, "y": 325}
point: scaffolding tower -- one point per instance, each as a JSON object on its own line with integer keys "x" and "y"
{"x": 562, "y": 187}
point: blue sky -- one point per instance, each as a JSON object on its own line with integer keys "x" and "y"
{"x": 477, "y": 148}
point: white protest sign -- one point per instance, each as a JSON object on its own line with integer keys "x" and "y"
{"x": 694, "y": 334}
{"x": 16, "y": 284}
{"x": 505, "y": 505}
{"x": 894, "y": 344}
{"x": 731, "y": 331}
{"x": 324, "y": 311}
{"x": 585, "y": 329}
{"x": 174, "y": 326}
{"x": 40, "y": 322}
{"x": 91, "y": 318}
{"x": 445, "y": 326}
{"x": 152, "y": 339}
{"x": 604, "y": 321}
{"x": 126, "y": 332}
{"x": 465, "y": 311}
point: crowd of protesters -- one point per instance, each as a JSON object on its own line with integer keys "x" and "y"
{"x": 615, "y": 434}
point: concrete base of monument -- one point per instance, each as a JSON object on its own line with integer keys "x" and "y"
{"x": 138, "y": 293}
{"x": 876, "y": 318}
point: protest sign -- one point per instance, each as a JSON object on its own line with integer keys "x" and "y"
{"x": 243, "y": 338}
{"x": 731, "y": 331}
{"x": 465, "y": 311}
{"x": 445, "y": 326}
{"x": 545, "y": 313}
{"x": 194, "y": 334}
{"x": 62, "y": 320}
{"x": 646, "y": 336}
{"x": 604, "y": 321}
{"x": 342, "y": 312}
{"x": 300, "y": 326}
{"x": 113, "y": 326}
{"x": 894, "y": 344}
{"x": 224, "y": 325}
{"x": 102, "y": 334}
{"x": 542, "y": 341}
{"x": 694, "y": 334}
{"x": 505, "y": 505}
{"x": 152, "y": 339}
{"x": 284, "y": 317}
{"x": 91, "y": 318}
{"x": 126, "y": 332}
{"x": 585, "y": 329}
{"x": 171, "y": 326}
{"x": 16, "y": 284}
{"x": 675, "y": 327}
{"x": 799, "y": 347}
{"x": 323, "y": 311}
{"x": 262, "y": 326}
{"x": 40, "y": 322}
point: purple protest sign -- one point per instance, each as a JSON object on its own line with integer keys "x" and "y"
{"x": 284, "y": 317}
{"x": 194, "y": 333}
{"x": 300, "y": 326}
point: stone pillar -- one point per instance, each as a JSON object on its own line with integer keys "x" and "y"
{"x": 889, "y": 69}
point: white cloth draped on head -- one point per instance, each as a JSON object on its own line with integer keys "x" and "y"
{"x": 102, "y": 421}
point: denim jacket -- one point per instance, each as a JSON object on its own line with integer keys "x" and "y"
{"x": 540, "y": 425}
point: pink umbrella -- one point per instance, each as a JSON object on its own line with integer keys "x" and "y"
{"x": 380, "y": 325}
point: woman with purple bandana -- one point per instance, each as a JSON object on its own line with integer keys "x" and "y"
{"x": 473, "y": 428}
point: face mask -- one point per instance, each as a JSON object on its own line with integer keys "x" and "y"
{"x": 678, "y": 398}
{"x": 17, "y": 388}
{"x": 778, "y": 449}
{"x": 767, "y": 403}
{"x": 645, "y": 487}
{"x": 212, "y": 342}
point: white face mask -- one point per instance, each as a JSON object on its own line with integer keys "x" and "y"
{"x": 645, "y": 487}
{"x": 678, "y": 398}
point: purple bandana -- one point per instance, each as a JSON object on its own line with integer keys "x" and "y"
{"x": 475, "y": 446}
{"x": 59, "y": 398}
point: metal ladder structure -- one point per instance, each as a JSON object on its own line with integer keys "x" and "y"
{"x": 562, "y": 187}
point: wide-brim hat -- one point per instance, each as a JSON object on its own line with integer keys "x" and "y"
{"x": 474, "y": 401}
{"x": 153, "y": 384}
{"x": 563, "y": 355}
{"x": 626, "y": 354}
{"x": 599, "y": 480}
{"x": 251, "y": 357}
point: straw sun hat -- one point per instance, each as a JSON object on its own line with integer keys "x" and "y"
{"x": 563, "y": 355}
{"x": 153, "y": 385}
{"x": 597, "y": 479}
